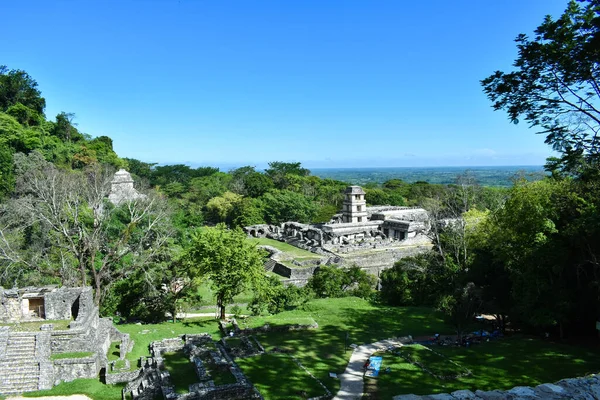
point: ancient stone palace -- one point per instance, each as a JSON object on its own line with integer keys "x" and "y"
{"x": 370, "y": 237}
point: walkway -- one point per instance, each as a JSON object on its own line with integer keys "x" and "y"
{"x": 351, "y": 381}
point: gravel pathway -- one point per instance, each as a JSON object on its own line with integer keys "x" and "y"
{"x": 351, "y": 381}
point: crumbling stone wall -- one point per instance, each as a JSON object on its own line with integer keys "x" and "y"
{"x": 65, "y": 302}
{"x": 575, "y": 388}
{"x": 69, "y": 369}
{"x": 10, "y": 306}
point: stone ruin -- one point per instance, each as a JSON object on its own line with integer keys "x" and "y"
{"x": 370, "y": 237}
{"x": 122, "y": 189}
{"x": 357, "y": 227}
{"x": 154, "y": 381}
{"x": 26, "y": 362}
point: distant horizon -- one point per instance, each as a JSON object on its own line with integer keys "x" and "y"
{"x": 263, "y": 166}
{"x": 355, "y": 83}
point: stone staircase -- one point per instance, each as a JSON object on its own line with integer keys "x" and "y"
{"x": 19, "y": 369}
{"x": 270, "y": 264}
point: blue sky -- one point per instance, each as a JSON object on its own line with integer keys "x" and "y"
{"x": 329, "y": 83}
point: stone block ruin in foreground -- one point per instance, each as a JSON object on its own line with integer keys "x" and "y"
{"x": 30, "y": 339}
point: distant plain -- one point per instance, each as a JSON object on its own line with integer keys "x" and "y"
{"x": 485, "y": 176}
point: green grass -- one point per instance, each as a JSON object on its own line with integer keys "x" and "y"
{"x": 434, "y": 361}
{"x": 322, "y": 350}
{"x": 62, "y": 356}
{"x": 143, "y": 335}
{"x": 182, "y": 371}
{"x": 275, "y": 320}
{"x": 59, "y": 325}
{"x": 90, "y": 387}
{"x": 500, "y": 364}
{"x": 292, "y": 251}
{"x": 114, "y": 351}
{"x": 233, "y": 342}
{"x": 220, "y": 376}
{"x": 277, "y": 376}
{"x": 208, "y": 298}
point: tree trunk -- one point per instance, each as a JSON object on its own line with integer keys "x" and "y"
{"x": 98, "y": 287}
{"x": 221, "y": 306}
{"x": 82, "y": 269}
{"x": 560, "y": 329}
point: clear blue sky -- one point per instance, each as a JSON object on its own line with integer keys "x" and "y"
{"x": 329, "y": 83}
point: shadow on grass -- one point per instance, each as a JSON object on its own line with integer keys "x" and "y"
{"x": 277, "y": 376}
{"x": 198, "y": 324}
{"x": 500, "y": 364}
{"x": 182, "y": 371}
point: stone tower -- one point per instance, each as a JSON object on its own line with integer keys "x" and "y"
{"x": 355, "y": 205}
{"x": 122, "y": 188}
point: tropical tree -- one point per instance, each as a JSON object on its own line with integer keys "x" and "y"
{"x": 556, "y": 85}
{"x": 229, "y": 261}
{"x": 80, "y": 236}
{"x": 333, "y": 281}
{"x": 461, "y": 306}
{"x": 280, "y": 171}
{"x": 284, "y": 205}
{"x": 16, "y": 86}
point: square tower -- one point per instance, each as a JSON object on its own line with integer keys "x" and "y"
{"x": 355, "y": 205}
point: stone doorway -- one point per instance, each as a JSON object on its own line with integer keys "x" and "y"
{"x": 36, "y": 307}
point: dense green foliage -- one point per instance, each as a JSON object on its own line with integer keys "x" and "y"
{"x": 230, "y": 262}
{"x": 555, "y": 85}
{"x": 531, "y": 257}
{"x": 331, "y": 281}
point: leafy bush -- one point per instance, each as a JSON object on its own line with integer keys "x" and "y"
{"x": 332, "y": 281}
{"x": 276, "y": 297}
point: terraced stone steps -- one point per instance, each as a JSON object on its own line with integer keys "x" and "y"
{"x": 19, "y": 369}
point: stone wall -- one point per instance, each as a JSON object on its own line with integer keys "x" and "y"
{"x": 42, "y": 356}
{"x": 300, "y": 273}
{"x": 64, "y": 303}
{"x": 379, "y": 259}
{"x": 69, "y": 369}
{"x": 10, "y": 306}
{"x": 3, "y": 340}
{"x": 575, "y": 388}
{"x": 121, "y": 377}
{"x": 73, "y": 340}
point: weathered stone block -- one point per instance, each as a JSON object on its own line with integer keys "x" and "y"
{"x": 463, "y": 395}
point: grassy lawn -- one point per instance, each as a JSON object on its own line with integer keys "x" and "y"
{"x": 322, "y": 350}
{"x": 208, "y": 298}
{"x": 62, "y": 356}
{"x": 277, "y": 376}
{"x": 275, "y": 320}
{"x": 59, "y": 325}
{"x": 292, "y": 251}
{"x": 90, "y": 387}
{"x": 143, "y": 335}
{"x": 182, "y": 371}
{"x": 114, "y": 351}
{"x": 500, "y": 364}
{"x": 435, "y": 362}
